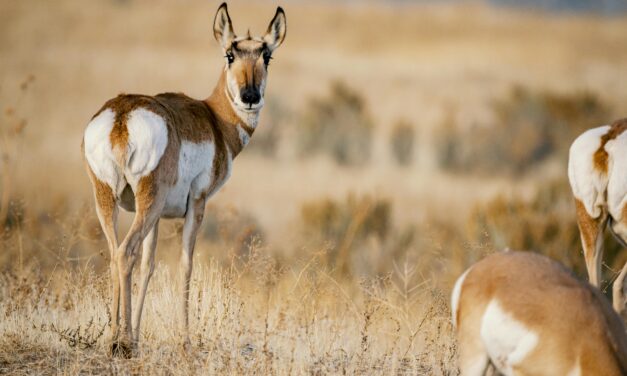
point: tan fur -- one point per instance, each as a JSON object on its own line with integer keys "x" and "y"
{"x": 588, "y": 226}
{"x": 220, "y": 165}
{"x": 575, "y": 323}
{"x": 601, "y": 156}
{"x": 106, "y": 209}
{"x": 102, "y": 193}
{"x": 591, "y": 231}
{"x": 212, "y": 120}
{"x": 250, "y": 69}
{"x": 146, "y": 191}
{"x": 105, "y": 199}
{"x": 119, "y": 137}
{"x": 187, "y": 119}
{"x": 226, "y": 119}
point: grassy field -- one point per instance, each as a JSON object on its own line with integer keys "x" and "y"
{"x": 400, "y": 144}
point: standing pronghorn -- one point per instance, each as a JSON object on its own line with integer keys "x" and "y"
{"x": 527, "y": 315}
{"x": 597, "y": 171}
{"x": 165, "y": 155}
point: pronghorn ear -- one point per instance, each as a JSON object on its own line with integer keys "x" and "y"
{"x": 276, "y": 30}
{"x": 222, "y": 27}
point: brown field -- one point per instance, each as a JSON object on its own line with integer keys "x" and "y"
{"x": 400, "y": 143}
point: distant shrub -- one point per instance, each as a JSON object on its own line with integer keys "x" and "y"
{"x": 12, "y": 127}
{"x": 529, "y": 128}
{"x": 545, "y": 223}
{"x": 331, "y": 219}
{"x": 346, "y": 224}
{"x": 267, "y": 137}
{"x": 231, "y": 227}
{"x": 402, "y": 142}
{"x": 338, "y": 125}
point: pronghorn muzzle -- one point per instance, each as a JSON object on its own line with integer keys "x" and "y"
{"x": 250, "y": 95}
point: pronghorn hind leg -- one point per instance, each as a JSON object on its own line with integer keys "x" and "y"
{"x": 149, "y": 246}
{"x": 193, "y": 219}
{"x": 591, "y": 231}
{"x": 619, "y": 230}
{"x": 618, "y": 292}
{"x": 149, "y": 203}
{"x": 473, "y": 356}
{"x": 491, "y": 370}
{"x": 474, "y": 360}
{"x": 107, "y": 211}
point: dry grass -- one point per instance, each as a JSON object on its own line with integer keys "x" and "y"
{"x": 310, "y": 265}
{"x": 247, "y": 318}
{"x": 544, "y": 223}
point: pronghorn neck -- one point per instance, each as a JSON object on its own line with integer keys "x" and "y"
{"x": 230, "y": 118}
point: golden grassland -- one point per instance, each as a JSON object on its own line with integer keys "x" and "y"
{"x": 399, "y": 145}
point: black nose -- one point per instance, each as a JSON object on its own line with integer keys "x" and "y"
{"x": 250, "y": 96}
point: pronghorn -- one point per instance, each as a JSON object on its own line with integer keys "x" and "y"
{"x": 525, "y": 314}
{"x": 165, "y": 155}
{"x": 597, "y": 171}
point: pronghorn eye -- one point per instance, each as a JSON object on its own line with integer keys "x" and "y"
{"x": 230, "y": 58}
{"x": 266, "y": 58}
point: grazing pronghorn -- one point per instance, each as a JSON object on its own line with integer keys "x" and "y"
{"x": 165, "y": 155}
{"x": 597, "y": 171}
{"x": 525, "y": 314}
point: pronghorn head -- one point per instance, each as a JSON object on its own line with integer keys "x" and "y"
{"x": 247, "y": 59}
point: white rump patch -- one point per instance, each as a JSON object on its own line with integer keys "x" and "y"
{"x": 98, "y": 152}
{"x": 147, "y": 139}
{"x": 587, "y": 183}
{"x": 506, "y": 340}
{"x": 617, "y": 185}
{"x": 457, "y": 291}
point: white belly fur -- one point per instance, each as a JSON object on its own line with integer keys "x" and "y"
{"x": 506, "y": 340}
{"x": 194, "y": 176}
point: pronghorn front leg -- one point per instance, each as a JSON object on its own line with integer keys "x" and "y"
{"x": 149, "y": 202}
{"x": 193, "y": 219}
{"x": 147, "y": 268}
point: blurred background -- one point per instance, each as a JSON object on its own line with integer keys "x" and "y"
{"x": 401, "y": 142}
{"x": 428, "y": 132}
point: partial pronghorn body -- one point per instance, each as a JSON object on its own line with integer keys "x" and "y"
{"x": 165, "y": 155}
{"x": 526, "y": 315}
{"x": 597, "y": 171}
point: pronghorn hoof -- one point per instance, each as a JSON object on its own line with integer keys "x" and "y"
{"x": 121, "y": 350}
